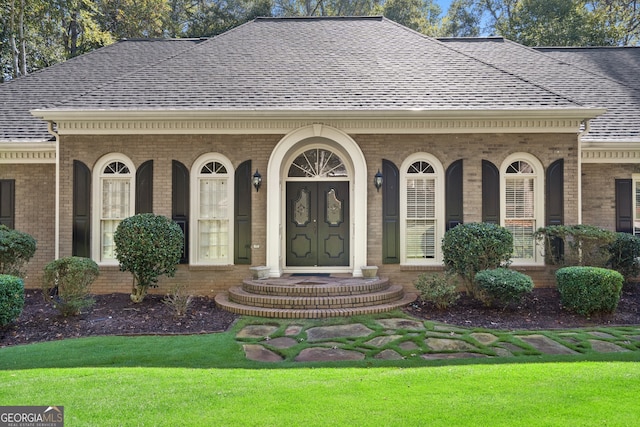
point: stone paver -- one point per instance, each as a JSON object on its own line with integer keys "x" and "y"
{"x": 260, "y": 354}
{"x": 256, "y": 331}
{"x": 388, "y": 355}
{"x": 430, "y": 342}
{"x": 446, "y": 344}
{"x": 545, "y": 345}
{"x": 320, "y": 354}
{"x": 354, "y": 330}
{"x": 281, "y": 342}
{"x": 484, "y": 338}
{"x": 408, "y": 324}
{"x": 606, "y": 347}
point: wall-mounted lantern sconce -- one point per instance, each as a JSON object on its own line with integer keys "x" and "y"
{"x": 257, "y": 180}
{"x": 377, "y": 180}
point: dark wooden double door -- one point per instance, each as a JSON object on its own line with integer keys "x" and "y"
{"x": 317, "y": 232}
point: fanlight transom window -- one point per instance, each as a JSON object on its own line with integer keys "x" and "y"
{"x": 317, "y": 163}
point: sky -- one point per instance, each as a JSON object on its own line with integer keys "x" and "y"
{"x": 444, "y": 5}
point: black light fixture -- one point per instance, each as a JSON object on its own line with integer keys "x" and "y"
{"x": 257, "y": 180}
{"x": 377, "y": 180}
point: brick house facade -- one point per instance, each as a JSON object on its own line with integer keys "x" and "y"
{"x": 443, "y": 135}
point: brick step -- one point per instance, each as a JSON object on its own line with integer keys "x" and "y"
{"x": 293, "y": 301}
{"x": 222, "y": 300}
{"x": 314, "y": 287}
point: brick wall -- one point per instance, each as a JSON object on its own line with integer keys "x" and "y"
{"x": 35, "y": 212}
{"x": 599, "y": 193}
{"x": 162, "y": 149}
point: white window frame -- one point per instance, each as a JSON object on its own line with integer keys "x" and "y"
{"x": 635, "y": 200}
{"x": 98, "y": 201}
{"x": 538, "y": 200}
{"x": 195, "y": 256}
{"x": 439, "y": 198}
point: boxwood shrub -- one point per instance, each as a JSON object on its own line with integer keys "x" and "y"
{"x": 11, "y": 298}
{"x": 588, "y": 290}
{"x": 473, "y": 247}
{"x": 502, "y": 286}
{"x": 624, "y": 253}
{"x": 66, "y": 283}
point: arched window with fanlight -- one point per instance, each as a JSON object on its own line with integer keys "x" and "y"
{"x": 114, "y": 200}
{"x": 422, "y": 208}
{"x": 523, "y": 204}
{"x": 212, "y": 236}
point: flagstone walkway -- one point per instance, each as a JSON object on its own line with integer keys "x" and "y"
{"x": 401, "y": 338}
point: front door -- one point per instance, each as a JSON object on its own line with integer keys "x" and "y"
{"x": 317, "y": 223}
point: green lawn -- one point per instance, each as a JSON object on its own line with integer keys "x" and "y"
{"x": 205, "y": 380}
{"x": 551, "y": 394}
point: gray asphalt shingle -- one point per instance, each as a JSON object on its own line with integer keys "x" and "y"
{"x": 587, "y": 86}
{"x": 73, "y": 78}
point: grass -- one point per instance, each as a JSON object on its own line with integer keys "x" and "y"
{"x": 552, "y": 394}
{"x": 206, "y": 380}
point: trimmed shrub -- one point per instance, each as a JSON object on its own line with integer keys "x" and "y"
{"x": 148, "y": 246}
{"x": 439, "y": 289}
{"x": 473, "y": 247}
{"x": 16, "y": 249}
{"x": 588, "y": 290}
{"x": 584, "y": 245}
{"x": 502, "y": 286}
{"x": 623, "y": 255}
{"x": 66, "y": 283}
{"x": 11, "y": 298}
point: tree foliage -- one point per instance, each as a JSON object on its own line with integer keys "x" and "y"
{"x": 38, "y": 33}
{"x": 148, "y": 246}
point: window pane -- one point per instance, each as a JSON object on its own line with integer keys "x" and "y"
{"x": 420, "y": 239}
{"x": 108, "y": 245}
{"x": 213, "y": 240}
{"x": 421, "y": 194}
{"x": 523, "y": 240}
{"x": 636, "y": 218}
{"x": 519, "y": 198}
{"x": 213, "y": 198}
{"x": 115, "y": 198}
{"x": 317, "y": 163}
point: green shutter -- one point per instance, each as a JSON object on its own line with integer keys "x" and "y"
{"x": 490, "y": 193}
{"x": 624, "y": 205}
{"x": 81, "y": 233}
{"x": 242, "y": 220}
{"x": 8, "y": 202}
{"x": 453, "y": 207}
{"x": 180, "y": 203}
{"x": 144, "y": 188}
{"x": 390, "y": 213}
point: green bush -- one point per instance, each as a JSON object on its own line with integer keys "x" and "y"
{"x": 583, "y": 245}
{"x": 148, "y": 246}
{"x": 66, "y": 283}
{"x": 502, "y": 286}
{"x": 623, "y": 255}
{"x": 16, "y": 249}
{"x": 473, "y": 247}
{"x": 11, "y": 298}
{"x": 439, "y": 289}
{"x": 588, "y": 290}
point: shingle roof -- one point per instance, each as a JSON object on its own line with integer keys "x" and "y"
{"x": 588, "y": 86}
{"x": 354, "y": 64}
{"x": 73, "y": 78}
{"x": 621, "y": 63}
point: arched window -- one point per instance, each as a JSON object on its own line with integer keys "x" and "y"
{"x": 114, "y": 200}
{"x": 523, "y": 204}
{"x": 212, "y": 184}
{"x": 422, "y": 202}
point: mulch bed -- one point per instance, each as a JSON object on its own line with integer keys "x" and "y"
{"x": 115, "y": 314}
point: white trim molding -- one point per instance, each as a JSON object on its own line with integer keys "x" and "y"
{"x": 120, "y": 122}
{"x": 611, "y": 152}
{"x": 276, "y": 170}
{"x": 27, "y": 152}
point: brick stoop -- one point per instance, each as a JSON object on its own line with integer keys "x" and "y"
{"x": 313, "y": 297}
